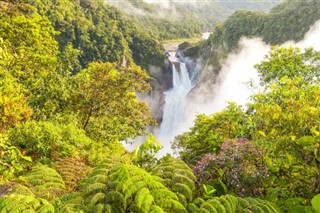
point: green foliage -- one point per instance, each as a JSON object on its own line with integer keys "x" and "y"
{"x": 256, "y": 205}
{"x": 283, "y": 23}
{"x": 130, "y": 180}
{"x": 232, "y": 204}
{"x": 13, "y": 103}
{"x": 35, "y": 52}
{"x": 16, "y": 203}
{"x": 45, "y": 141}
{"x": 241, "y": 23}
{"x": 12, "y": 161}
{"x": 69, "y": 203}
{"x": 72, "y": 170}
{"x": 227, "y": 203}
{"x": 270, "y": 149}
{"x": 98, "y": 152}
{"x": 30, "y": 63}
{"x": 290, "y": 62}
{"x": 179, "y": 20}
{"x": 291, "y": 103}
{"x": 45, "y": 182}
{"x": 123, "y": 187}
{"x": 144, "y": 154}
{"x": 105, "y": 100}
{"x": 279, "y": 159}
{"x": 316, "y": 203}
{"x": 177, "y": 176}
{"x": 209, "y": 132}
{"x": 100, "y": 33}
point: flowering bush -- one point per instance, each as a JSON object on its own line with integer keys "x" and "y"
{"x": 240, "y": 165}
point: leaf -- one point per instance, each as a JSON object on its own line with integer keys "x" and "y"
{"x": 305, "y": 141}
{"x": 290, "y": 159}
{"x": 316, "y": 203}
{"x": 262, "y": 133}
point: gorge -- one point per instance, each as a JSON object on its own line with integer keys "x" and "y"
{"x": 236, "y": 82}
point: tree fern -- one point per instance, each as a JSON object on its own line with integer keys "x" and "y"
{"x": 45, "y": 182}
{"x": 95, "y": 187}
{"x": 223, "y": 204}
{"x": 177, "y": 176}
{"x": 97, "y": 180}
{"x": 116, "y": 186}
{"x": 71, "y": 169}
{"x": 257, "y": 205}
{"x": 232, "y": 204}
{"x": 73, "y": 202}
{"x": 16, "y": 203}
{"x": 136, "y": 184}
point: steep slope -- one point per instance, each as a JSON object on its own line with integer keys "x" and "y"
{"x": 180, "y": 19}
{"x": 283, "y": 23}
{"x": 99, "y": 32}
{"x": 168, "y": 20}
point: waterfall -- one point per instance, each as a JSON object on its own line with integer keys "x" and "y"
{"x": 174, "y": 107}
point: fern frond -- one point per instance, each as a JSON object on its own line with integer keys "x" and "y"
{"x": 211, "y": 208}
{"x": 257, "y": 205}
{"x": 46, "y": 207}
{"x": 73, "y": 202}
{"x": 184, "y": 190}
{"x": 198, "y": 201}
{"x": 15, "y": 203}
{"x": 136, "y": 209}
{"x": 95, "y": 188}
{"x": 233, "y": 201}
{"x": 217, "y": 205}
{"x": 46, "y": 182}
{"x": 117, "y": 198}
{"x": 227, "y": 204}
{"x": 144, "y": 200}
{"x": 243, "y": 202}
{"x": 177, "y": 176}
{"x": 171, "y": 205}
{"x": 185, "y": 180}
{"x": 223, "y": 204}
{"x": 134, "y": 183}
{"x": 72, "y": 170}
{"x": 156, "y": 209}
{"x": 102, "y": 208}
{"x": 192, "y": 208}
{"x": 97, "y": 198}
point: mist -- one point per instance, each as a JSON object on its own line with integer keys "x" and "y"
{"x": 237, "y": 70}
{"x": 231, "y": 85}
{"x": 232, "y": 81}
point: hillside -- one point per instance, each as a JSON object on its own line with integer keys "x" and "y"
{"x": 183, "y": 19}
{"x": 283, "y": 23}
{"x": 100, "y": 33}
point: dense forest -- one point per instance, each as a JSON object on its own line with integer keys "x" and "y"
{"x": 171, "y": 19}
{"x": 70, "y": 74}
{"x": 282, "y": 23}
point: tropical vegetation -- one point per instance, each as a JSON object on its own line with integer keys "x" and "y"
{"x": 71, "y": 72}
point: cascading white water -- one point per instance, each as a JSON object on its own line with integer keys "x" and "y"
{"x": 173, "y": 111}
{"x": 174, "y": 107}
